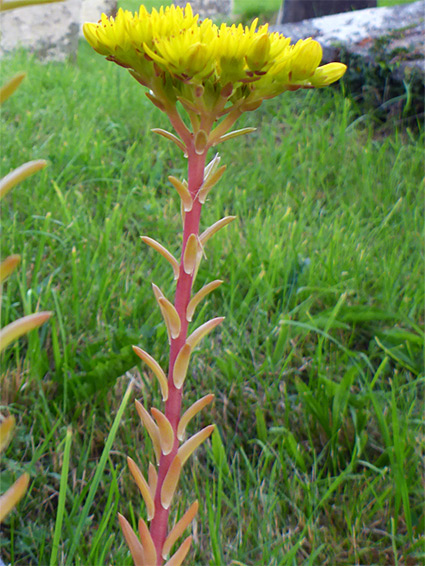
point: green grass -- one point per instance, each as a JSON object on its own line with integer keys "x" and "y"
{"x": 317, "y": 370}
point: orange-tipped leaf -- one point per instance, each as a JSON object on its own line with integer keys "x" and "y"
{"x": 196, "y": 299}
{"x": 164, "y": 252}
{"x": 143, "y": 487}
{"x": 192, "y": 444}
{"x": 191, "y": 412}
{"x": 166, "y": 433}
{"x": 180, "y": 365}
{"x": 20, "y": 327}
{"x": 209, "y": 232}
{"x": 156, "y": 368}
{"x": 136, "y": 549}
{"x": 151, "y": 428}
{"x": 19, "y": 174}
{"x": 170, "y": 482}
{"x": 202, "y": 331}
{"x": 180, "y": 555}
{"x": 8, "y": 266}
{"x": 6, "y": 430}
{"x": 190, "y": 254}
{"x": 184, "y": 194}
{"x": 147, "y": 543}
{"x": 13, "y": 495}
{"x": 152, "y": 479}
{"x": 171, "y": 317}
{"x": 212, "y": 180}
{"x": 179, "y": 528}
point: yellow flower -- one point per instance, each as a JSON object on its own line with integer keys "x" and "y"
{"x": 208, "y": 68}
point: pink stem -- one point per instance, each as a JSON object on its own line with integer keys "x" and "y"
{"x": 159, "y": 524}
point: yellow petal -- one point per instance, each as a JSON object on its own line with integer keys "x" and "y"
{"x": 166, "y": 433}
{"x": 180, "y": 366}
{"x": 202, "y": 331}
{"x": 179, "y": 529}
{"x": 170, "y": 482}
{"x": 136, "y": 549}
{"x": 147, "y": 543}
{"x": 191, "y": 412}
{"x": 151, "y": 428}
{"x": 190, "y": 254}
{"x": 206, "y": 235}
{"x": 8, "y": 266}
{"x": 164, "y": 252}
{"x": 13, "y": 495}
{"x": 21, "y": 326}
{"x": 196, "y": 299}
{"x": 180, "y": 555}
{"x": 143, "y": 487}
{"x": 156, "y": 368}
{"x": 328, "y": 74}
{"x": 192, "y": 444}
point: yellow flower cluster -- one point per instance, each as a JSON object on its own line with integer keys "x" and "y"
{"x": 177, "y": 56}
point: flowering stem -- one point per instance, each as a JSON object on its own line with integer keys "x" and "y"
{"x": 159, "y": 524}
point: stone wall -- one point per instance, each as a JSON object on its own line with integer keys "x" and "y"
{"x": 51, "y": 31}
{"x": 209, "y": 8}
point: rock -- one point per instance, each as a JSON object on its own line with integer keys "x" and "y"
{"x": 50, "y": 31}
{"x": 392, "y": 37}
{"x": 297, "y": 10}
{"x": 91, "y": 10}
{"x": 209, "y": 8}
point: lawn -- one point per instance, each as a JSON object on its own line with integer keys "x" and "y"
{"x": 317, "y": 369}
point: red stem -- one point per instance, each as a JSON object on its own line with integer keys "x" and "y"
{"x": 159, "y": 524}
